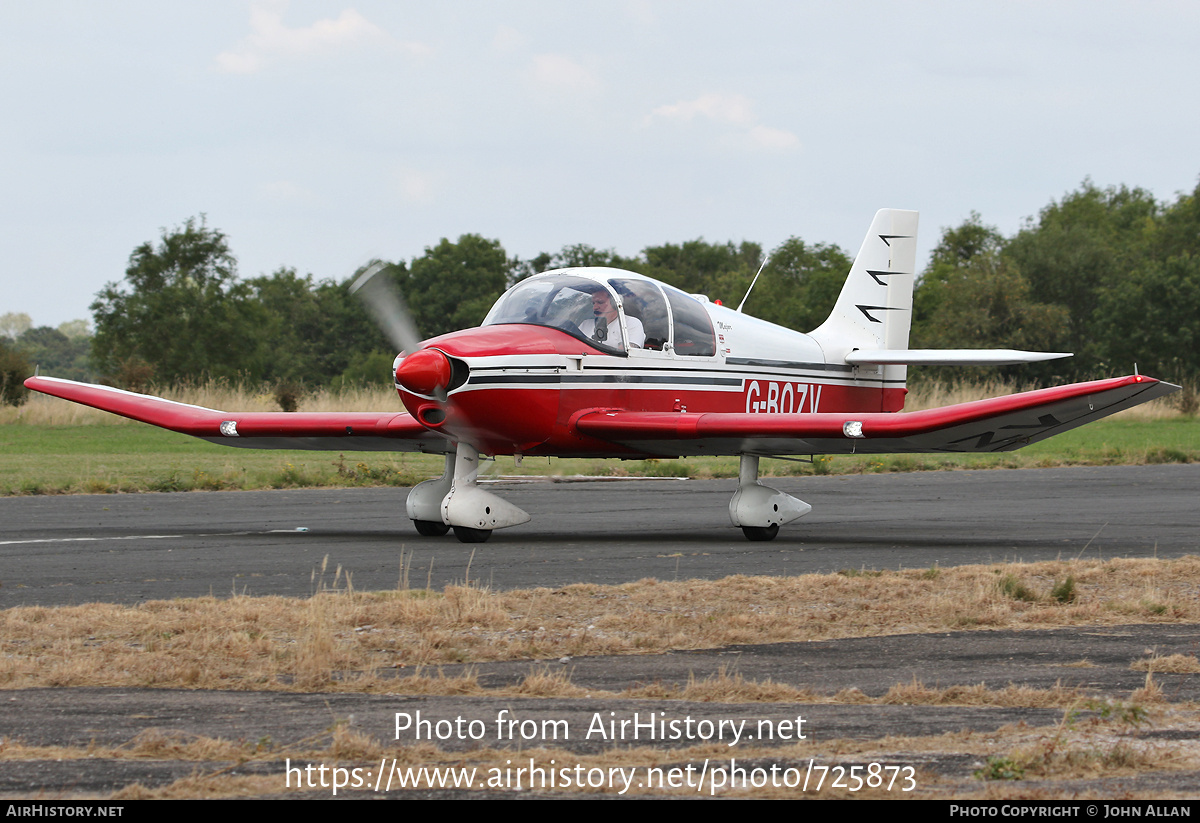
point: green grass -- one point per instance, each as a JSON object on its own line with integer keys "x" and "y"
{"x": 120, "y": 457}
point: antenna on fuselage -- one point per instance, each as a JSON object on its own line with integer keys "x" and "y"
{"x": 752, "y": 282}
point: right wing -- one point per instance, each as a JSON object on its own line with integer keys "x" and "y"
{"x": 326, "y": 431}
{"x": 994, "y": 425}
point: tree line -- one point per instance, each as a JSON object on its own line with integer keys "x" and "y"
{"x": 1111, "y": 274}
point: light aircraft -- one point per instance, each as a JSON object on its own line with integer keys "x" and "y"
{"x": 599, "y": 362}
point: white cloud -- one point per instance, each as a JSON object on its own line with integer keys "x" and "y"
{"x": 271, "y": 39}
{"x": 641, "y": 12}
{"x": 725, "y": 108}
{"x": 507, "y": 40}
{"x": 733, "y": 110}
{"x": 769, "y": 138}
{"x": 286, "y": 191}
{"x": 414, "y": 186}
{"x": 555, "y": 71}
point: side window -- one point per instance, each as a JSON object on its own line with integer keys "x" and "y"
{"x": 643, "y": 302}
{"x": 693, "y": 330}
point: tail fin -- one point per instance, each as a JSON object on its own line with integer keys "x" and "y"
{"x": 870, "y": 323}
{"x": 874, "y": 310}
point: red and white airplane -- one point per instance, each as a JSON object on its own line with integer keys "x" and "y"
{"x": 599, "y": 362}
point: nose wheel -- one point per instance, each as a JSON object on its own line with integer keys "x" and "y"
{"x": 455, "y": 500}
{"x": 466, "y": 534}
{"x": 761, "y": 534}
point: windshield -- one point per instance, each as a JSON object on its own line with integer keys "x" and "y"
{"x": 563, "y": 302}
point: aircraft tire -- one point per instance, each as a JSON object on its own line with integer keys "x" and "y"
{"x": 466, "y": 534}
{"x": 430, "y": 528}
{"x": 759, "y": 534}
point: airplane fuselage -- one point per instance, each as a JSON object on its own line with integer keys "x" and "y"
{"x": 520, "y": 386}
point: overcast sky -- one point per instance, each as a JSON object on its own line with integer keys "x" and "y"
{"x": 319, "y": 134}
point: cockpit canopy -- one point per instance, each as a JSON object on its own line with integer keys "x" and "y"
{"x": 651, "y": 316}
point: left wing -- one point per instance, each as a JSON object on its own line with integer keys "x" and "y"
{"x": 331, "y": 431}
{"x": 998, "y": 424}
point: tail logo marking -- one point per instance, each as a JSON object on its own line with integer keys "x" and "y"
{"x": 878, "y": 274}
{"x": 866, "y": 310}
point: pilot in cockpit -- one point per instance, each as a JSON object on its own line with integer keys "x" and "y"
{"x": 605, "y": 327}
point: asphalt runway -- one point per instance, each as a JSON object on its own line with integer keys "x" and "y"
{"x": 927, "y": 737}
{"x": 130, "y": 548}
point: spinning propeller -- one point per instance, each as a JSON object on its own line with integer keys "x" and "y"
{"x": 423, "y": 371}
{"x": 454, "y": 499}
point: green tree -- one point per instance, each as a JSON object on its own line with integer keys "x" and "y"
{"x": 311, "y": 332}
{"x": 354, "y": 347}
{"x": 14, "y": 324}
{"x": 1151, "y": 315}
{"x": 1151, "y": 318}
{"x": 14, "y": 368}
{"x": 76, "y": 329}
{"x": 180, "y": 310}
{"x": 57, "y": 354}
{"x": 453, "y": 285}
{"x": 1078, "y": 248}
{"x": 988, "y": 304}
{"x": 972, "y": 296}
{"x": 961, "y": 248}
{"x": 700, "y": 267}
{"x": 295, "y": 319}
{"x": 800, "y": 284}
{"x": 579, "y": 254}
{"x": 797, "y": 289}
{"x": 1179, "y": 229}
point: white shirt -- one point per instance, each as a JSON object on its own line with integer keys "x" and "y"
{"x": 637, "y": 334}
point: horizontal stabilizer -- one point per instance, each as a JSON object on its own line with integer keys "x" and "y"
{"x": 949, "y": 357}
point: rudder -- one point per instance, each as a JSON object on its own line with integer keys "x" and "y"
{"x": 874, "y": 309}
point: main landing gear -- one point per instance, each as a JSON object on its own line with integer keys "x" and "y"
{"x": 454, "y": 500}
{"x": 758, "y": 509}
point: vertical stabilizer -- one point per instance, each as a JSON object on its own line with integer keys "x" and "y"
{"x": 874, "y": 310}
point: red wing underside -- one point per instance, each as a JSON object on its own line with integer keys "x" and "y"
{"x": 999, "y": 424}
{"x": 331, "y": 431}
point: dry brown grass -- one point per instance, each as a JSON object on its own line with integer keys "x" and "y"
{"x": 347, "y": 640}
{"x": 1051, "y": 760}
{"x": 1171, "y": 664}
{"x": 725, "y": 687}
{"x": 43, "y": 410}
{"x": 917, "y": 693}
{"x": 934, "y": 393}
